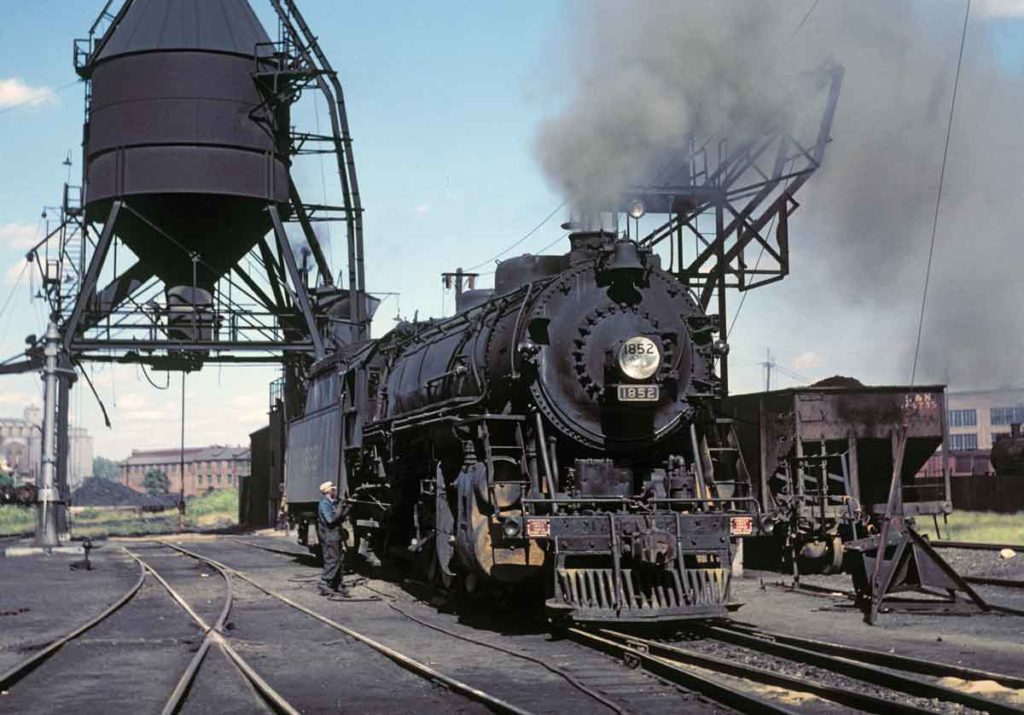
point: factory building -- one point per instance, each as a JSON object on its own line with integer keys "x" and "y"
{"x": 21, "y": 448}
{"x": 206, "y": 468}
{"x": 977, "y": 418}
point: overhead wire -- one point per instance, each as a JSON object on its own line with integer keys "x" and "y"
{"x": 37, "y": 100}
{"x": 14, "y": 287}
{"x": 807, "y": 16}
{"x": 938, "y": 195}
{"x": 532, "y": 231}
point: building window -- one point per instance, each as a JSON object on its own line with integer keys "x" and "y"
{"x": 963, "y": 442}
{"x": 220, "y": 479}
{"x": 963, "y": 418}
{"x": 1006, "y": 415}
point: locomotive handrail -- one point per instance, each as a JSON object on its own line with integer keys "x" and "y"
{"x": 626, "y": 500}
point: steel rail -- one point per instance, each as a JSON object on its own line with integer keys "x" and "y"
{"x": 565, "y": 675}
{"x": 263, "y": 688}
{"x": 272, "y": 549}
{"x": 990, "y": 581}
{"x": 889, "y": 660}
{"x": 676, "y": 674}
{"x": 839, "y": 695}
{"x": 858, "y": 670}
{"x": 906, "y": 604}
{"x": 177, "y": 696}
{"x": 414, "y": 666}
{"x": 15, "y": 673}
{"x": 974, "y": 545}
{"x": 568, "y": 677}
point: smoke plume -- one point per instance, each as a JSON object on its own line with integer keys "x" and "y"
{"x": 646, "y": 74}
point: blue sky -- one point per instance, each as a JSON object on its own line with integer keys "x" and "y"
{"x": 444, "y": 100}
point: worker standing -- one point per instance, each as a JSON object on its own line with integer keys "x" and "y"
{"x": 330, "y": 514}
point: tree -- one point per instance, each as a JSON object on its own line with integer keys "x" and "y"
{"x": 104, "y": 468}
{"x": 156, "y": 482}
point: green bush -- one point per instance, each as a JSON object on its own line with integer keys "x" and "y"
{"x": 224, "y": 501}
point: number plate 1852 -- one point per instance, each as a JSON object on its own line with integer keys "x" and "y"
{"x": 638, "y": 393}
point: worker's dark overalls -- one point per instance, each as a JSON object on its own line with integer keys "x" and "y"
{"x": 329, "y": 517}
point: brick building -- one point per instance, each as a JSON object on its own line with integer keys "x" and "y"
{"x": 206, "y": 468}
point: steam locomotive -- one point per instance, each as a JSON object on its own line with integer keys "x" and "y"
{"x": 1007, "y": 454}
{"x": 558, "y": 430}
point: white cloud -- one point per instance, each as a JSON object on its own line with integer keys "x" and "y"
{"x": 807, "y": 361}
{"x": 16, "y": 399}
{"x": 423, "y": 209}
{"x": 14, "y": 92}
{"x": 1002, "y": 8}
{"x": 20, "y": 236}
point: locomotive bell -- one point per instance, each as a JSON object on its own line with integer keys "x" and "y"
{"x": 625, "y": 260}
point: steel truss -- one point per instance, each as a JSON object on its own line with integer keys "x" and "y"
{"x": 735, "y": 203}
{"x": 263, "y": 309}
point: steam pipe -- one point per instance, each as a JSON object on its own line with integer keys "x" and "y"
{"x": 542, "y": 448}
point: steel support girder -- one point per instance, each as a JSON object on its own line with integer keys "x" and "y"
{"x": 300, "y": 292}
{"x": 79, "y": 346}
{"x": 88, "y": 286}
{"x": 307, "y": 230}
{"x": 115, "y": 294}
{"x": 333, "y": 93}
{"x": 742, "y": 200}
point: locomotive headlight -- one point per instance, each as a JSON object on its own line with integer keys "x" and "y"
{"x": 639, "y": 358}
{"x": 637, "y": 209}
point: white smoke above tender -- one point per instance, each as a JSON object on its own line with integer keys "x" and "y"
{"x": 645, "y": 74}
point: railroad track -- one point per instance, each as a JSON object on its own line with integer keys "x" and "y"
{"x": 847, "y": 677}
{"x": 974, "y": 545}
{"x": 597, "y": 679}
{"x": 857, "y": 680}
{"x": 409, "y": 664}
{"x": 212, "y": 635}
{"x": 991, "y": 581}
{"x": 15, "y": 673}
{"x": 907, "y": 603}
{"x": 267, "y": 697}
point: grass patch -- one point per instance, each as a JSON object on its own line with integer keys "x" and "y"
{"x": 984, "y": 526}
{"x": 16, "y": 519}
{"x": 215, "y": 510}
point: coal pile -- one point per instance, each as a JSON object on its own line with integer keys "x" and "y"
{"x": 96, "y": 491}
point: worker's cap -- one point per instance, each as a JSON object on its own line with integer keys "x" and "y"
{"x": 326, "y": 487}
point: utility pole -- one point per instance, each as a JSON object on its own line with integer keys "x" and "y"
{"x": 460, "y": 280}
{"x": 769, "y": 366}
{"x": 181, "y": 473}
{"x": 48, "y": 499}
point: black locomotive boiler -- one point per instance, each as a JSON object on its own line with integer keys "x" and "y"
{"x": 559, "y": 428}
